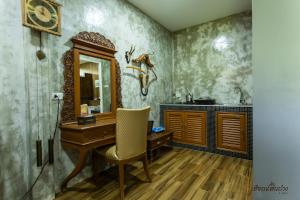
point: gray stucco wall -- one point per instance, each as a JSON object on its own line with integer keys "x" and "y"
{"x": 13, "y": 105}
{"x": 27, "y": 83}
{"x": 213, "y": 58}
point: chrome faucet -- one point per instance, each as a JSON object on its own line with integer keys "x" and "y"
{"x": 242, "y": 98}
{"x": 189, "y": 97}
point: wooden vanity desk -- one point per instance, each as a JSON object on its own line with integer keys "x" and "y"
{"x": 85, "y": 138}
{"x": 92, "y": 84}
{"x": 90, "y": 135}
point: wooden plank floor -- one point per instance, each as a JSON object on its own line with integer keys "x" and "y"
{"x": 180, "y": 174}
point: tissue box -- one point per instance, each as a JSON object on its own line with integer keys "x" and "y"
{"x": 86, "y": 119}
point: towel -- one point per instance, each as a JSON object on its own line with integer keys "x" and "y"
{"x": 158, "y": 129}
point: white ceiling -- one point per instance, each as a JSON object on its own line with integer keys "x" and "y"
{"x": 180, "y": 14}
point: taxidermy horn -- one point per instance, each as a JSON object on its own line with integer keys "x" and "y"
{"x": 129, "y": 53}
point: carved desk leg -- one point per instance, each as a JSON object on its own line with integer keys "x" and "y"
{"x": 79, "y": 166}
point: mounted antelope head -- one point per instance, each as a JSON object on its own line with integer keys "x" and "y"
{"x": 129, "y": 53}
{"x": 144, "y": 58}
{"x": 144, "y": 74}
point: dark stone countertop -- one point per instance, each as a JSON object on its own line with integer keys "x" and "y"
{"x": 215, "y": 105}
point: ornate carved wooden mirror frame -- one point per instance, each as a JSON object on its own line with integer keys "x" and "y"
{"x": 93, "y": 44}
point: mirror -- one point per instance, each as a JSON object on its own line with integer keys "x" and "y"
{"x": 95, "y": 85}
{"x": 92, "y": 78}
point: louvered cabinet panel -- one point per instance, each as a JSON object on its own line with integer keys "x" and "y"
{"x": 231, "y": 131}
{"x": 195, "y": 128}
{"x": 174, "y": 122}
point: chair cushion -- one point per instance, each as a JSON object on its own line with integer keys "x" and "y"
{"x": 111, "y": 153}
{"x": 108, "y": 151}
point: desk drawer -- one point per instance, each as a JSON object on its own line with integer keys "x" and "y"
{"x": 100, "y": 132}
{"x": 160, "y": 142}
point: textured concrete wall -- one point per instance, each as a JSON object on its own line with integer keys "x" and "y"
{"x": 13, "y": 105}
{"x": 25, "y": 105}
{"x": 213, "y": 58}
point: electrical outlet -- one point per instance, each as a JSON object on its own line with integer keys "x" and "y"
{"x": 57, "y": 95}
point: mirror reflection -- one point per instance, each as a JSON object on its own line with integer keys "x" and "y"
{"x": 95, "y": 85}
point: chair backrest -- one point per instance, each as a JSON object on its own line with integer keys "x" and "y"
{"x": 131, "y": 132}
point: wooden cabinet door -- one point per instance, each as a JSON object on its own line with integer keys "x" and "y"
{"x": 231, "y": 131}
{"x": 174, "y": 122}
{"x": 195, "y": 128}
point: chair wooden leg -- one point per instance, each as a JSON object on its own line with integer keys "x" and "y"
{"x": 145, "y": 164}
{"x": 121, "y": 180}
